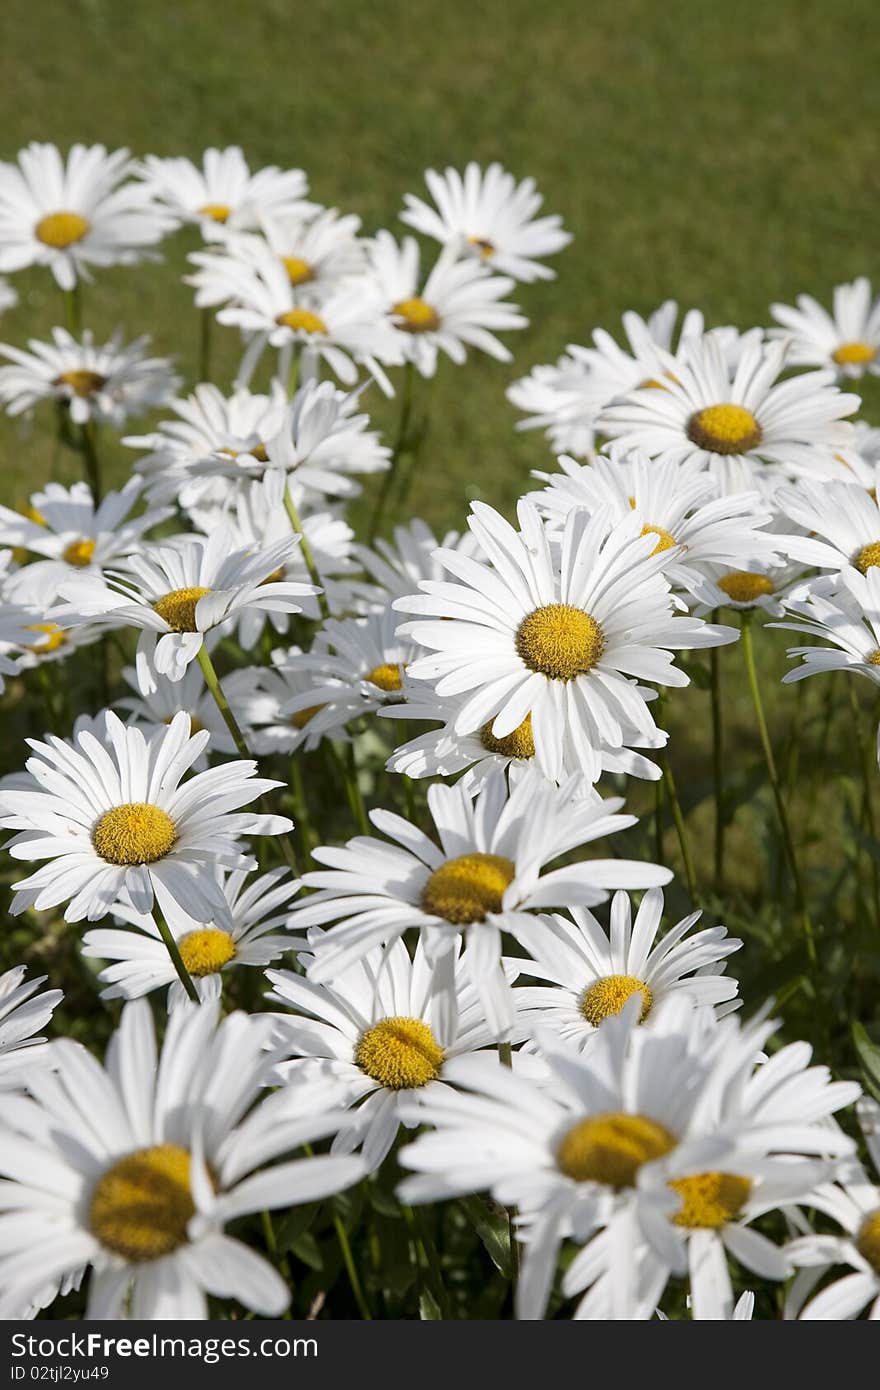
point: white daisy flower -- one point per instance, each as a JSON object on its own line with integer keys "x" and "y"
{"x": 396, "y": 567}
{"x": 8, "y": 296}
{"x": 562, "y": 399}
{"x": 487, "y": 214}
{"x": 592, "y": 973}
{"x": 487, "y": 870}
{"x": 846, "y": 619}
{"x": 73, "y": 535}
{"x": 717, "y": 417}
{"x": 24, "y": 1010}
{"x": 154, "y": 702}
{"x": 107, "y": 384}
{"x": 112, "y": 813}
{"x": 74, "y": 214}
{"x": 319, "y": 253}
{"x": 177, "y": 592}
{"x": 355, "y": 666}
{"x": 260, "y": 699}
{"x": 681, "y": 508}
{"x": 847, "y": 339}
{"x": 759, "y": 585}
{"x": 255, "y": 934}
{"x": 367, "y": 1040}
{"x": 347, "y": 331}
{"x": 458, "y": 307}
{"x": 223, "y": 196}
{"x": 842, "y": 521}
{"x": 556, "y": 636}
{"x": 444, "y": 752}
{"x": 854, "y": 1204}
{"x": 134, "y": 1169}
{"x": 17, "y": 628}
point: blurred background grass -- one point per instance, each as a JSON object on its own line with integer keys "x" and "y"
{"x": 722, "y": 155}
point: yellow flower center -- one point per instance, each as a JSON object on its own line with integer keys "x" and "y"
{"x": 260, "y": 453}
{"x": 178, "y": 608}
{"x": 519, "y": 744}
{"x": 136, "y": 833}
{"x": 299, "y": 272}
{"x": 666, "y": 541}
{"x": 560, "y": 641}
{"x": 61, "y": 229}
{"x": 81, "y": 381}
{"x": 418, "y": 317}
{"x": 611, "y": 1148}
{"x": 33, "y": 515}
{"x": 854, "y": 354}
{"x": 465, "y": 889}
{"x": 724, "y": 429}
{"x": 868, "y": 1240}
{"x": 869, "y": 555}
{"x": 54, "y": 638}
{"x": 874, "y": 658}
{"x": 608, "y": 996}
{"x": 218, "y": 212}
{"x": 302, "y": 320}
{"x": 744, "y": 586}
{"x": 141, "y": 1207}
{"x": 485, "y": 248}
{"x": 206, "y": 950}
{"x": 710, "y": 1200}
{"x": 302, "y": 716}
{"x": 387, "y": 676}
{"x": 79, "y": 553}
{"x": 399, "y": 1053}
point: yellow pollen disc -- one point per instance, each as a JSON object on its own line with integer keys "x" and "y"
{"x": 710, "y": 1200}
{"x": 61, "y": 229}
{"x": 666, "y": 541}
{"x": 55, "y": 637}
{"x": 560, "y": 641}
{"x": 724, "y": 429}
{"x": 418, "y": 317}
{"x": 275, "y": 577}
{"x": 259, "y": 453}
{"x": 302, "y": 716}
{"x": 874, "y": 658}
{"x": 387, "y": 676}
{"x": 485, "y": 248}
{"x": 519, "y": 744}
{"x": 218, "y": 212}
{"x": 399, "y": 1053}
{"x": 869, "y": 555}
{"x": 743, "y": 586}
{"x": 465, "y": 889}
{"x": 608, "y": 996}
{"x": 79, "y": 553}
{"x": 81, "y": 382}
{"x": 854, "y": 354}
{"x": 136, "y": 833}
{"x": 179, "y": 608}
{"x": 611, "y": 1148}
{"x": 302, "y": 319}
{"x": 141, "y": 1207}
{"x": 206, "y": 950}
{"x": 299, "y": 272}
{"x": 868, "y": 1240}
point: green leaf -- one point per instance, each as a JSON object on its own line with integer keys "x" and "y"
{"x": 868, "y": 1053}
{"x": 307, "y": 1249}
{"x": 429, "y": 1309}
{"x": 491, "y": 1225}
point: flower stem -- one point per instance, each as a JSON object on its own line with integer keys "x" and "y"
{"x": 680, "y": 827}
{"x": 426, "y": 1254}
{"x": 866, "y": 768}
{"x": 88, "y": 436}
{"x": 351, "y": 1268}
{"x": 718, "y": 765}
{"x": 293, "y": 371}
{"x": 307, "y": 552}
{"x": 400, "y": 442}
{"x": 206, "y": 323}
{"x": 73, "y": 310}
{"x": 784, "y": 825}
{"x": 505, "y": 1055}
{"x": 176, "y": 958}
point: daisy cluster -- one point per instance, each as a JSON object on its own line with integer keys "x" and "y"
{"x": 479, "y": 1001}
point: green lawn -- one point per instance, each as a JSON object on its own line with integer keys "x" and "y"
{"x": 723, "y": 155}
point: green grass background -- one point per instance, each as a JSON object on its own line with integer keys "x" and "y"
{"x": 721, "y": 154}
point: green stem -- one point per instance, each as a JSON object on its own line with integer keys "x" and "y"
{"x": 293, "y": 371}
{"x": 304, "y": 821}
{"x": 88, "y": 436}
{"x": 73, "y": 310}
{"x": 206, "y": 323}
{"x": 782, "y": 813}
{"x": 868, "y": 773}
{"x": 356, "y": 800}
{"x": 718, "y": 765}
{"x": 403, "y": 423}
{"x": 307, "y": 552}
{"x": 505, "y": 1055}
{"x": 680, "y": 827}
{"x": 427, "y": 1256}
{"x": 176, "y": 958}
{"x": 351, "y": 1268}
